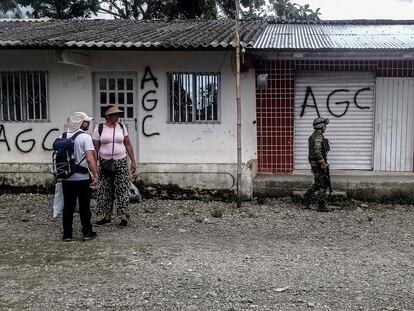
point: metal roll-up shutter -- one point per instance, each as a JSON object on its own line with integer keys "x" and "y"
{"x": 347, "y": 99}
{"x": 394, "y": 125}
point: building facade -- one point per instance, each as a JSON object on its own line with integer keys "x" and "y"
{"x": 176, "y": 84}
{"x": 179, "y": 103}
{"x": 360, "y": 75}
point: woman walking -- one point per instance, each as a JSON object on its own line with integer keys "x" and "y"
{"x": 113, "y": 146}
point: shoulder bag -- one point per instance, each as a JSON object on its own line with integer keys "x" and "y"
{"x": 108, "y": 166}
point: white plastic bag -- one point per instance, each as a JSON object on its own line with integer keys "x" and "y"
{"x": 58, "y": 201}
{"x": 135, "y": 196}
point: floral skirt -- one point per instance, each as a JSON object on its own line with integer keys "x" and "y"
{"x": 113, "y": 192}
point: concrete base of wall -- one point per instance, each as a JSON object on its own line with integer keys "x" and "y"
{"x": 212, "y": 176}
{"x": 361, "y": 185}
{"x": 28, "y": 177}
{"x": 203, "y": 176}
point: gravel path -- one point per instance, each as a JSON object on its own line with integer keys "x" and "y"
{"x": 174, "y": 255}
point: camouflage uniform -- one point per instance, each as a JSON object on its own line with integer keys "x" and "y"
{"x": 318, "y": 150}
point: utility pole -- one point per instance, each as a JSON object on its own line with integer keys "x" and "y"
{"x": 238, "y": 102}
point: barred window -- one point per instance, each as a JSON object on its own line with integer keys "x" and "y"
{"x": 193, "y": 97}
{"x": 23, "y": 96}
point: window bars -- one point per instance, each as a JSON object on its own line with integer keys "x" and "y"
{"x": 119, "y": 91}
{"x": 193, "y": 97}
{"x": 23, "y": 96}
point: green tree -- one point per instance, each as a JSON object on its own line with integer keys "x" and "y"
{"x": 168, "y": 9}
{"x": 185, "y": 9}
{"x": 253, "y": 8}
{"x": 250, "y": 9}
{"x": 10, "y": 8}
{"x": 61, "y": 9}
{"x": 159, "y": 9}
{"x": 276, "y": 9}
{"x": 286, "y": 10}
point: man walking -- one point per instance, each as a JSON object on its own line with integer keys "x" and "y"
{"x": 77, "y": 186}
{"x": 318, "y": 150}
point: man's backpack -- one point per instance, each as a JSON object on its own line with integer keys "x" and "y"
{"x": 64, "y": 164}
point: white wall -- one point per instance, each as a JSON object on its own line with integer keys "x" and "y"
{"x": 188, "y": 143}
{"x": 71, "y": 89}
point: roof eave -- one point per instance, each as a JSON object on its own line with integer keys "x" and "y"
{"x": 334, "y": 53}
{"x": 115, "y": 48}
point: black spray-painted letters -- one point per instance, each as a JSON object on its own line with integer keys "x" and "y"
{"x": 148, "y": 76}
{"x": 331, "y": 104}
{"x": 25, "y": 140}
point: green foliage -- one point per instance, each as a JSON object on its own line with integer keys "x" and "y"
{"x": 61, "y": 9}
{"x": 343, "y": 202}
{"x": 160, "y": 9}
{"x": 249, "y": 9}
{"x": 253, "y": 9}
{"x": 166, "y": 9}
{"x": 216, "y": 213}
{"x": 271, "y": 9}
{"x": 210, "y": 9}
{"x": 286, "y": 10}
{"x": 10, "y": 8}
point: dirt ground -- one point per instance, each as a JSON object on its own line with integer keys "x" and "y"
{"x": 194, "y": 255}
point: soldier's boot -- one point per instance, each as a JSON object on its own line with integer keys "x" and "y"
{"x": 322, "y": 207}
{"x": 322, "y": 202}
{"x": 307, "y": 199}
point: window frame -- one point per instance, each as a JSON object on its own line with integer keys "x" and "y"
{"x": 98, "y": 75}
{"x": 194, "y": 74}
{"x": 24, "y": 96}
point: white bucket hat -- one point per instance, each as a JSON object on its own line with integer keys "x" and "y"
{"x": 76, "y": 120}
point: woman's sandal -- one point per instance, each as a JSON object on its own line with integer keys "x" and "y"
{"x": 123, "y": 223}
{"x": 103, "y": 221}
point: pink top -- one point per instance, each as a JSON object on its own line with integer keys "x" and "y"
{"x": 106, "y": 139}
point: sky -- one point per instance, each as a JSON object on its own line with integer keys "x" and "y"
{"x": 362, "y": 9}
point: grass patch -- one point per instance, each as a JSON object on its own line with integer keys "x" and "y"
{"x": 216, "y": 213}
{"x": 206, "y": 199}
{"x": 343, "y": 203}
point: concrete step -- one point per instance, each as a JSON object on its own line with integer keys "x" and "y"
{"x": 368, "y": 186}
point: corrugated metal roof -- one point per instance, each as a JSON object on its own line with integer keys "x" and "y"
{"x": 207, "y": 34}
{"x": 343, "y": 36}
{"x": 199, "y": 34}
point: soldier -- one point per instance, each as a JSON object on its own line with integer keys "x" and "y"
{"x": 318, "y": 150}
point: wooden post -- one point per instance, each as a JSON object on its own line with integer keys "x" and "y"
{"x": 238, "y": 102}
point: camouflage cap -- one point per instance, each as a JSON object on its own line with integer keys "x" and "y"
{"x": 319, "y": 123}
